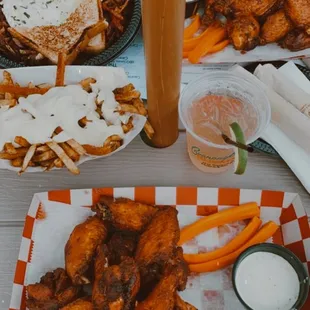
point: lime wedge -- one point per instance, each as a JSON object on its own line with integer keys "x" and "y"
{"x": 241, "y": 156}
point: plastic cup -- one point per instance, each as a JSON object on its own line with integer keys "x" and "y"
{"x": 253, "y": 115}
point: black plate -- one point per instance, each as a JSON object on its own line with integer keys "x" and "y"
{"x": 107, "y": 55}
{"x": 261, "y": 145}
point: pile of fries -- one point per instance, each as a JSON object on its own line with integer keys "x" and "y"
{"x": 57, "y": 155}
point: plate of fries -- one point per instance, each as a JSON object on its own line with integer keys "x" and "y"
{"x": 66, "y": 149}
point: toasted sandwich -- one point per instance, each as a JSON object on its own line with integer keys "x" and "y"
{"x": 82, "y": 30}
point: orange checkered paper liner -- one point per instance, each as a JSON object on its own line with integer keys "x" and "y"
{"x": 211, "y": 289}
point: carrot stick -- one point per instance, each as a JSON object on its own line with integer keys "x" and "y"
{"x": 190, "y": 30}
{"x": 205, "y": 46}
{"x": 190, "y": 44}
{"x": 233, "y": 214}
{"x": 219, "y": 46}
{"x": 267, "y": 231}
{"x": 247, "y": 233}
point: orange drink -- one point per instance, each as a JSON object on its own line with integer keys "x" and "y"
{"x": 209, "y": 105}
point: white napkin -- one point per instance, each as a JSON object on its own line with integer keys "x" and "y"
{"x": 286, "y": 83}
{"x": 50, "y": 236}
{"x": 288, "y": 133}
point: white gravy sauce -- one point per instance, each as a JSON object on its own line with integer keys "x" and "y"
{"x": 266, "y": 281}
{"x": 32, "y": 13}
{"x": 36, "y": 117}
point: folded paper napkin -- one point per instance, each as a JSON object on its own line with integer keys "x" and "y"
{"x": 289, "y": 131}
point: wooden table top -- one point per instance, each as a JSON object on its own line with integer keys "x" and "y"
{"x": 137, "y": 165}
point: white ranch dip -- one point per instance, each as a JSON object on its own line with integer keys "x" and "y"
{"x": 266, "y": 281}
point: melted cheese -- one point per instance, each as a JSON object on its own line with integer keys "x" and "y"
{"x": 36, "y": 117}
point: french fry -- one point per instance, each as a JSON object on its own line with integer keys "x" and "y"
{"x": 148, "y": 129}
{"x": 64, "y": 157}
{"x": 7, "y": 78}
{"x": 45, "y": 85}
{"x": 86, "y": 83}
{"x": 44, "y": 156}
{"x": 8, "y": 102}
{"x": 28, "y": 157}
{"x": 17, "y": 162}
{"x": 138, "y": 104}
{"x": 9, "y": 148}
{"x": 22, "y": 91}
{"x": 21, "y": 141}
{"x": 129, "y": 108}
{"x": 31, "y": 85}
{"x": 47, "y": 163}
{"x": 134, "y": 94}
{"x": 100, "y": 151}
{"x": 77, "y": 147}
{"x": 70, "y": 151}
{"x": 128, "y": 127}
{"x": 43, "y": 148}
{"x": 126, "y": 89}
{"x": 58, "y": 163}
{"x": 20, "y": 152}
{"x": 61, "y": 66}
{"x": 8, "y": 96}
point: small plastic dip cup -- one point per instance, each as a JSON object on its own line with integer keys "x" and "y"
{"x": 283, "y": 253}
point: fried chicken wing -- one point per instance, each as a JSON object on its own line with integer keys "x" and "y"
{"x": 180, "y": 304}
{"x": 162, "y": 296}
{"x": 55, "y": 290}
{"x": 182, "y": 268}
{"x": 117, "y": 287}
{"x": 121, "y": 245}
{"x": 243, "y": 32}
{"x": 40, "y": 292}
{"x": 239, "y": 7}
{"x": 43, "y": 305}
{"x": 157, "y": 244}
{"x": 299, "y": 13}
{"x": 125, "y": 214}
{"x": 255, "y": 7}
{"x": 79, "y": 304}
{"x": 81, "y": 247}
{"x": 276, "y": 27}
{"x": 101, "y": 263}
{"x": 296, "y": 40}
{"x": 209, "y": 13}
{"x": 68, "y": 295}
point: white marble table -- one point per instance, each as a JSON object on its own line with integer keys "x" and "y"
{"x": 138, "y": 165}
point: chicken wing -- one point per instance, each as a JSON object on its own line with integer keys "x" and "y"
{"x": 296, "y": 40}
{"x": 117, "y": 287}
{"x": 121, "y": 245}
{"x": 55, "y": 290}
{"x": 81, "y": 247}
{"x": 40, "y": 292}
{"x": 157, "y": 244}
{"x": 79, "y": 304}
{"x": 180, "y": 304}
{"x": 125, "y": 214}
{"x": 101, "y": 263}
{"x": 209, "y": 13}
{"x": 234, "y": 7}
{"x": 299, "y": 13}
{"x": 182, "y": 268}
{"x": 243, "y": 32}
{"x": 162, "y": 296}
{"x": 255, "y": 7}
{"x": 275, "y": 28}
